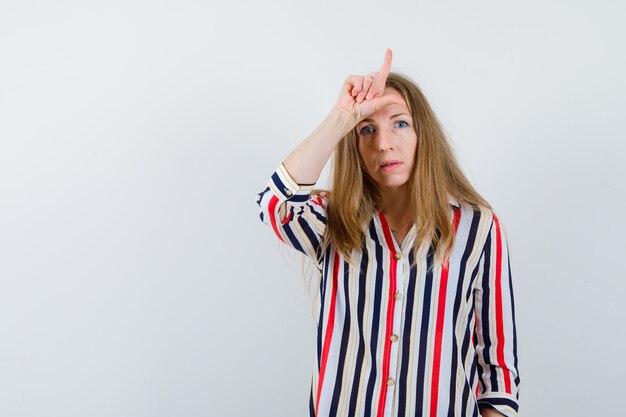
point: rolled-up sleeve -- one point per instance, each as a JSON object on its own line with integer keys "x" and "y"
{"x": 303, "y": 227}
{"x": 496, "y": 341}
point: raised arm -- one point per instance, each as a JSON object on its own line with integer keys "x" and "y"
{"x": 360, "y": 96}
{"x": 297, "y": 218}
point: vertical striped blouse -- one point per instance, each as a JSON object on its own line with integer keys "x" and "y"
{"x": 395, "y": 340}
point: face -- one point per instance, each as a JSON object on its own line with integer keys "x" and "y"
{"x": 387, "y": 143}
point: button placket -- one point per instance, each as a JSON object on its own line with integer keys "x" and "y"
{"x": 397, "y": 319}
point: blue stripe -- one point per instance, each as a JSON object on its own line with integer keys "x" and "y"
{"x": 360, "y": 323}
{"x": 310, "y": 234}
{"x": 345, "y": 335}
{"x": 292, "y": 237}
{"x": 320, "y": 325}
{"x": 492, "y": 402}
{"x": 423, "y": 336}
{"x": 369, "y": 393}
{"x": 484, "y": 314}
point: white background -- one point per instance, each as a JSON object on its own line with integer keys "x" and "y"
{"x": 136, "y": 278}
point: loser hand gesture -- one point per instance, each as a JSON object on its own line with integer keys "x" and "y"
{"x": 362, "y": 96}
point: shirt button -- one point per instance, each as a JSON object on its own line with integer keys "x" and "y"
{"x": 397, "y": 295}
{"x": 397, "y": 256}
{"x": 390, "y": 381}
{"x": 288, "y": 192}
{"x": 393, "y": 337}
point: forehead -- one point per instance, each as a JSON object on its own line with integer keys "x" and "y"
{"x": 393, "y": 108}
{"x": 391, "y": 90}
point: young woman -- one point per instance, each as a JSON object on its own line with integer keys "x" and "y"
{"x": 416, "y": 310}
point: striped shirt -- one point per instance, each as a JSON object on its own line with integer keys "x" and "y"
{"x": 395, "y": 340}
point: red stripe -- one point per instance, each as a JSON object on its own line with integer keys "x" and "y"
{"x": 387, "y": 232}
{"x": 288, "y": 217}
{"x": 272, "y": 210}
{"x": 441, "y": 308}
{"x": 390, "y": 310}
{"x": 499, "y": 319}
{"x": 329, "y": 332}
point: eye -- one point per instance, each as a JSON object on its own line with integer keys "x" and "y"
{"x": 402, "y": 121}
{"x": 366, "y": 130}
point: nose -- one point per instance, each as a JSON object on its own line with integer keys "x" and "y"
{"x": 384, "y": 139}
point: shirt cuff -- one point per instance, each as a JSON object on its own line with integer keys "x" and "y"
{"x": 286, "y": 189}
{"x": 503, "y": 402}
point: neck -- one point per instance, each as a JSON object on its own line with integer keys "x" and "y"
{"x": 396, "y": 202}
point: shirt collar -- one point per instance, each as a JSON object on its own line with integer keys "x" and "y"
{"x": 453, "y": 201}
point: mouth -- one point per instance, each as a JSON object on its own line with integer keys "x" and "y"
{"x": 390, "y": 165}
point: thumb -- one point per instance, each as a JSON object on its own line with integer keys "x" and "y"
{"x": 380, "y": 102}
{"x": 372, "y": 106}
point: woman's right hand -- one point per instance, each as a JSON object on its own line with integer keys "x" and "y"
{"x": 359, "y": 98}
{"x": 362, "y": 96}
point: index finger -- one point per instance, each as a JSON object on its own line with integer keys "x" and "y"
{"x": 380, "y": 77}
{"x": 386, "y": 67}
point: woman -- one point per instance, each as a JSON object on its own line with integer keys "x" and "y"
{"x": 417, "y": 312}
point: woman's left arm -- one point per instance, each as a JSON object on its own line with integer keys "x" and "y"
{"x": 496, "y": 335}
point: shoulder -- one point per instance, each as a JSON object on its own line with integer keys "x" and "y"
{"x": 481, "y": 211}
{"x": 476, "y": 210}
{"x": 480, "y": 218}
{"x": 490, "y": 225}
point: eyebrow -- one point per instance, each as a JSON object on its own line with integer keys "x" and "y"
{"x": 392, "y": 117}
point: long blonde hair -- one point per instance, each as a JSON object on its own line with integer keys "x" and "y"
{"x": 436, "y": 176}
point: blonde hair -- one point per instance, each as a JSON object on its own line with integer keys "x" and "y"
{"x": 436, "y": 176}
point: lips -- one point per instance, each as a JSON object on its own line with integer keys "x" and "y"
{"x": 389, "y": 165}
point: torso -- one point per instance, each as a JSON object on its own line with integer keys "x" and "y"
{"x": 428, "y": 308}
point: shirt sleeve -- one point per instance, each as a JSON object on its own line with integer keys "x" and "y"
{"x": 496, "y": 336}
{"x": 304, "y": 225}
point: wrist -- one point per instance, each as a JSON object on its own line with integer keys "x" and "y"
{"x": 341, "y": 120}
